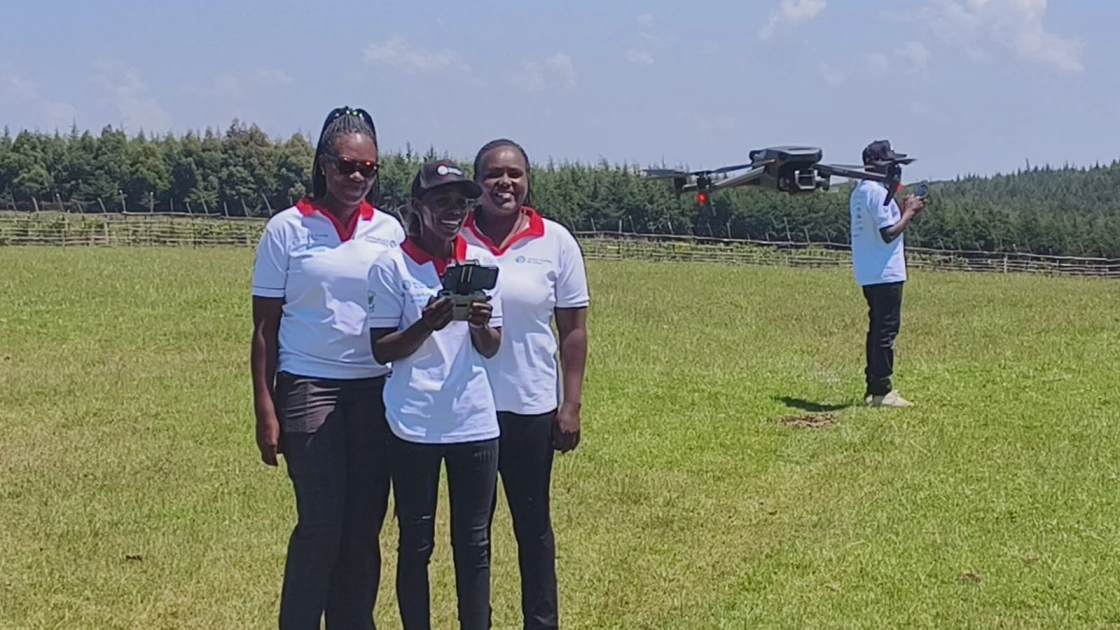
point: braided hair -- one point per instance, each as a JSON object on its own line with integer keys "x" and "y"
{"x": 340, "y": 122}
{"x": 497, "y": 144}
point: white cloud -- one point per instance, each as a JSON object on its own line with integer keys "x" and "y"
{"x": 831, "y": 75}
{"x": 121, "y": 88}
{"x": 555, "y": 71}
{"x": 916, "y": 55}
{"x": 16, "y": 88}
{"x": 639, "y": 57}
{"x": 561, "y": 64}
{"x": 791, "y": 12}
{"x": 1015, "y": 25}
{"x": 876, "y": 64}
{"x": 648, "y": 29}
{"x": 398, "y": 53}
{"x": 240, "y": 86}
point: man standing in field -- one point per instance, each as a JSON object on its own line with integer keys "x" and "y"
{"x": 879, "y": 263}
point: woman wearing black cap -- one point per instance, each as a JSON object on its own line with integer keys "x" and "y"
{"x": 440, "y": 407}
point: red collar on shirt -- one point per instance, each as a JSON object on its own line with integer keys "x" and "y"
{"x": 535, "y": 229}
{"x": 458, "y": 254}
{"x": 307, "y": 207}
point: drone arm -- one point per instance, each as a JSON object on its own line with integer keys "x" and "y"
{"x": 750, "y": 177}
{"x": 890, "y": 179}
{"x": 829, "y": 170}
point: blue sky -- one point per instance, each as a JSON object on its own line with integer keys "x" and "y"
{"x": 967, "y": 86}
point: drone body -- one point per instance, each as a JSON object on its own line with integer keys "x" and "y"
{"x": 787, "y": 169}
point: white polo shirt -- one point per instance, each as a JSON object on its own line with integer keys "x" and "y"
{"x": 541, "y": 269}
{"x": 875, "y": 261}
{"x": 440, "y": 394}
{"x": 320, "y": 268}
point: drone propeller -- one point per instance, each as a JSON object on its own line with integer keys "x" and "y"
{"x": 728, "y": 169}
{"x": 664, "y": 173}
{"x": 671, "y": 173}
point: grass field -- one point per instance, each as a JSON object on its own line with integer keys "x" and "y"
{"x": 131, "y": 495}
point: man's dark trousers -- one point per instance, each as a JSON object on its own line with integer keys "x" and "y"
{"x": 884, "y": 303}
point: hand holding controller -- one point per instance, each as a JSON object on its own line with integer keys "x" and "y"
{"x": 465, "y": 284}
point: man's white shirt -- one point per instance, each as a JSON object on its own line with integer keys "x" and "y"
{"x": 874, "y": 260}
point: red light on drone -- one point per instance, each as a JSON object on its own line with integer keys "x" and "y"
{"x": 702, "y": 197}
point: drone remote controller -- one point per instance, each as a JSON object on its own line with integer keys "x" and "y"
{"x": 465, "y": 283}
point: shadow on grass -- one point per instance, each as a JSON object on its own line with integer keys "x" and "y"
{"x": 811, "y": 407}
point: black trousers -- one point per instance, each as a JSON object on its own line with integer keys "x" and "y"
{"x": 525, "y": 465}
{"x": 334, "y": 444}
{"x": 472, "y": 474}
{"x": 884, "y": 303}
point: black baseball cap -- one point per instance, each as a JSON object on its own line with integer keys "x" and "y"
{"x": 881, "y": 151}
{"x": 439, "y": 173}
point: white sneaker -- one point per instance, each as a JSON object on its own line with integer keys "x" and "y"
{"x": 890, "y": 400}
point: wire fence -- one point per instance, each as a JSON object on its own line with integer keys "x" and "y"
{"x": 59, "y": 229}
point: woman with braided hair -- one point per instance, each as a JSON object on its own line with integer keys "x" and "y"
{"x": 317, "y": 388}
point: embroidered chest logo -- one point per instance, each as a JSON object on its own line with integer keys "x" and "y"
{"x": 522, "y": 260}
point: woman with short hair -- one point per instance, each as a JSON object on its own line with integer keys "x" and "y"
{"x": 538, "y": 401}
{"x": 317, "y": 388}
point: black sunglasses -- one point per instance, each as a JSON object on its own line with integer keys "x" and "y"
{"x": 346, "y": 166}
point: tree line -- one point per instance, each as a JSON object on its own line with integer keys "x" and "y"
{"x": 242, "y": 171}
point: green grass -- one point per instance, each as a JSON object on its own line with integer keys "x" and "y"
{"x": 131, "y": 495}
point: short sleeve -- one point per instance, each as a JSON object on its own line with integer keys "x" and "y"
{"x": 495, "y": 300}
{"x": 385, "y": 297}
{"x": 881, "y": 214}
{"x": 400, "y": 235}
{"x": 270, "y": 268}
{"x": 571, "y": 280}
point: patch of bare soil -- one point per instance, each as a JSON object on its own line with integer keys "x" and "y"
{"x": 810, "y": 421}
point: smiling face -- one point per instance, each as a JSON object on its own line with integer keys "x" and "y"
{"x": 443, "y": 211}
{"x": 504, "y": 176}
{"x": 350, "y": 168}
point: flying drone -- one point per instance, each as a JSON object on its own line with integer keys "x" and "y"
{"x": 788, "y": 169}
